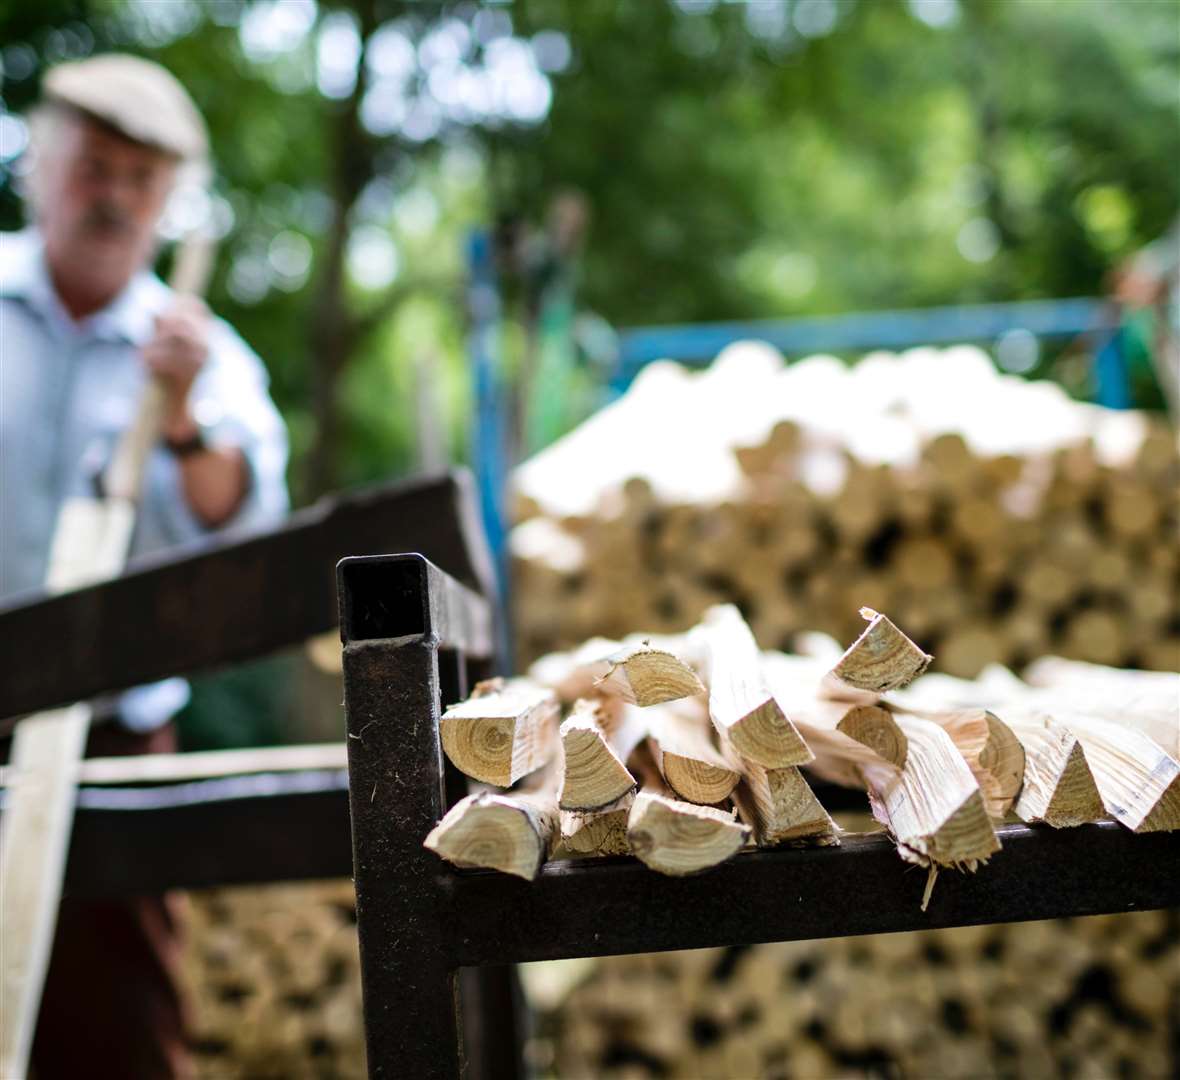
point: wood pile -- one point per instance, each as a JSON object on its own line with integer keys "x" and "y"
{"x": 1088, "y": 998}
{"x": 995, "y": 518}
{"x": 274, "y": 978}
{"x": 682, "y": 750}
{"x": 275, "y": 982}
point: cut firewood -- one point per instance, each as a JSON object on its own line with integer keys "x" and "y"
{"x": 679, "y": 740}
{"x": 678, "y": 838}
{"x": 595, "y": 832}
{"x": 919, "y": 786}
{"x": 781, "y": 807}
{"x": 1147, "y": 700}
{"x": 504, "y": 731}
{"x": 991, "y": 749}
{"x": 645, "y": 676}
{"x": 1138, "y": 780}
{"x": 744, "y": 711}
{"x": 572, "y": 675}
{"x": 880, "y": 660}
{"x": 510, "y": 833}
{"x": 1059, "y": 787}
{"x": 597, "y": 738}
{"x": 875, "y": 727}
{"x": 934, "y": 807}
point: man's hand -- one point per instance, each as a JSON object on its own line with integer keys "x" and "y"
{"x": 175, "y": 355}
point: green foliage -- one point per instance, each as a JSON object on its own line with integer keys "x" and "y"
{"x": 733, "y": 167}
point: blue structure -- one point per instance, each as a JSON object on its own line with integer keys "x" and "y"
{"x": 699, "y": 343}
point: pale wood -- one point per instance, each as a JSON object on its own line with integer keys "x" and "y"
{"x": 572, "y": 675}
{"x": 1148, "y": 700}
{"x": 91, "y": 541}
{"x": 880, "y": 660}
{"x": 644, "y": 675}
{"x": 934, "y": 807}
{"x": 1059, "y": 788}
{"x": 991, "y": 749}
{"x": 679, "y": 838}
{"x": 488, "y": 830}
{"x": 596, "y": 832}
{"x": 744, "y": 711}
{"x": 34, "y": 834}
{"x": 1138, "y": 780}
{"x": 504, "y": 731}
{"x": 781, "y": 808}
{"x": 597, "y": 738}
{"x": 919, "y": 786}
{"x": 686, "y": 758}
{"x": 203, "y": 764}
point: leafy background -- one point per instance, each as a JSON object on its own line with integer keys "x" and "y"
{"x": 762, "y": 159}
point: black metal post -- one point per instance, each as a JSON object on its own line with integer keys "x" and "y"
{"x": 396, "y": 614}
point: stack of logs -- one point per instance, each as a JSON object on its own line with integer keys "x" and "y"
{"x": 996, "y": 518}
{"x": 683, "y": 750}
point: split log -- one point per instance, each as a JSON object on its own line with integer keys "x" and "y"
{"x": 510, "y": 833}
{"x": 880, "y": 660}
{"x": 643, "y": 675}
{"x": 504, "y": 731}
{"x": 992, "y": 752}
{"x": 678, "y": 736}
{"x": 744, "y": 711}
{"x": 1059, "y": 787}
{"x": 781, "y": 808}
{"x": 919, "y": 786}
{"x": 1138, "y": 780}
{"x": 572, "y": 675}
{"x": 934, "y": 806}
{"x": 1147, "y": 700}
{"x": 679, "y": 838}
{"x": 597, "y": 738}
{"x": 595, "y": 832}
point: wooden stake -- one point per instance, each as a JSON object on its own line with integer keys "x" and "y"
{"x": 679, "y": 838}
{"x": 779, "y": 805}
{"x": 510, "y": 833}
{"x": 1059, "y": 788}
{"x": 1147, "y": 700}
{"x": 880, "y": 660}
{"x": 1138, "y": 780}
{"x": 504, "y": 731}
{"x": 596, "y": 832}
{"x": 645, "y": 676}
{"x": 744, "y": 711}
{"x": 992, "y": 752}
{"x": 596, "y": 739}
{"x": 686, "y": 758}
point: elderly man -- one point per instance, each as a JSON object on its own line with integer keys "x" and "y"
{"x": 84, "y": 323}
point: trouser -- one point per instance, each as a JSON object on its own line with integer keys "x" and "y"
{"x": 113, "y": 1004}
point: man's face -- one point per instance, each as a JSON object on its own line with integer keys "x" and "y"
{"x": 101, "y": 196}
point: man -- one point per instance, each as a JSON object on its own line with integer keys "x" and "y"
{"x": 83, "y": 325}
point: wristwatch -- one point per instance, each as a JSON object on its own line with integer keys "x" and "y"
{"x": 194, "y": 444}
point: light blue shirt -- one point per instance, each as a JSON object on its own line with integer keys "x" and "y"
{"x": 67, "y": 391}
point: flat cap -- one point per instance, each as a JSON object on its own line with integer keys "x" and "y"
{"x": 137, "y": 98}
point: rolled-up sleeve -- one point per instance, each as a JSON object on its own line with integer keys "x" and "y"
{"x": 230, "y": 401}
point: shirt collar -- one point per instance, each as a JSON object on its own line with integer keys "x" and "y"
{"x": 129, "y": 317}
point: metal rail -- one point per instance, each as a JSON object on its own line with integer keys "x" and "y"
{"x": 227, "y": 600}
{"x": 420, "y": 921}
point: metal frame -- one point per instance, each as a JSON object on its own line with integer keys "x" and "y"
{"x": 231, "y": 599}
{"x": 421, "y": 921}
